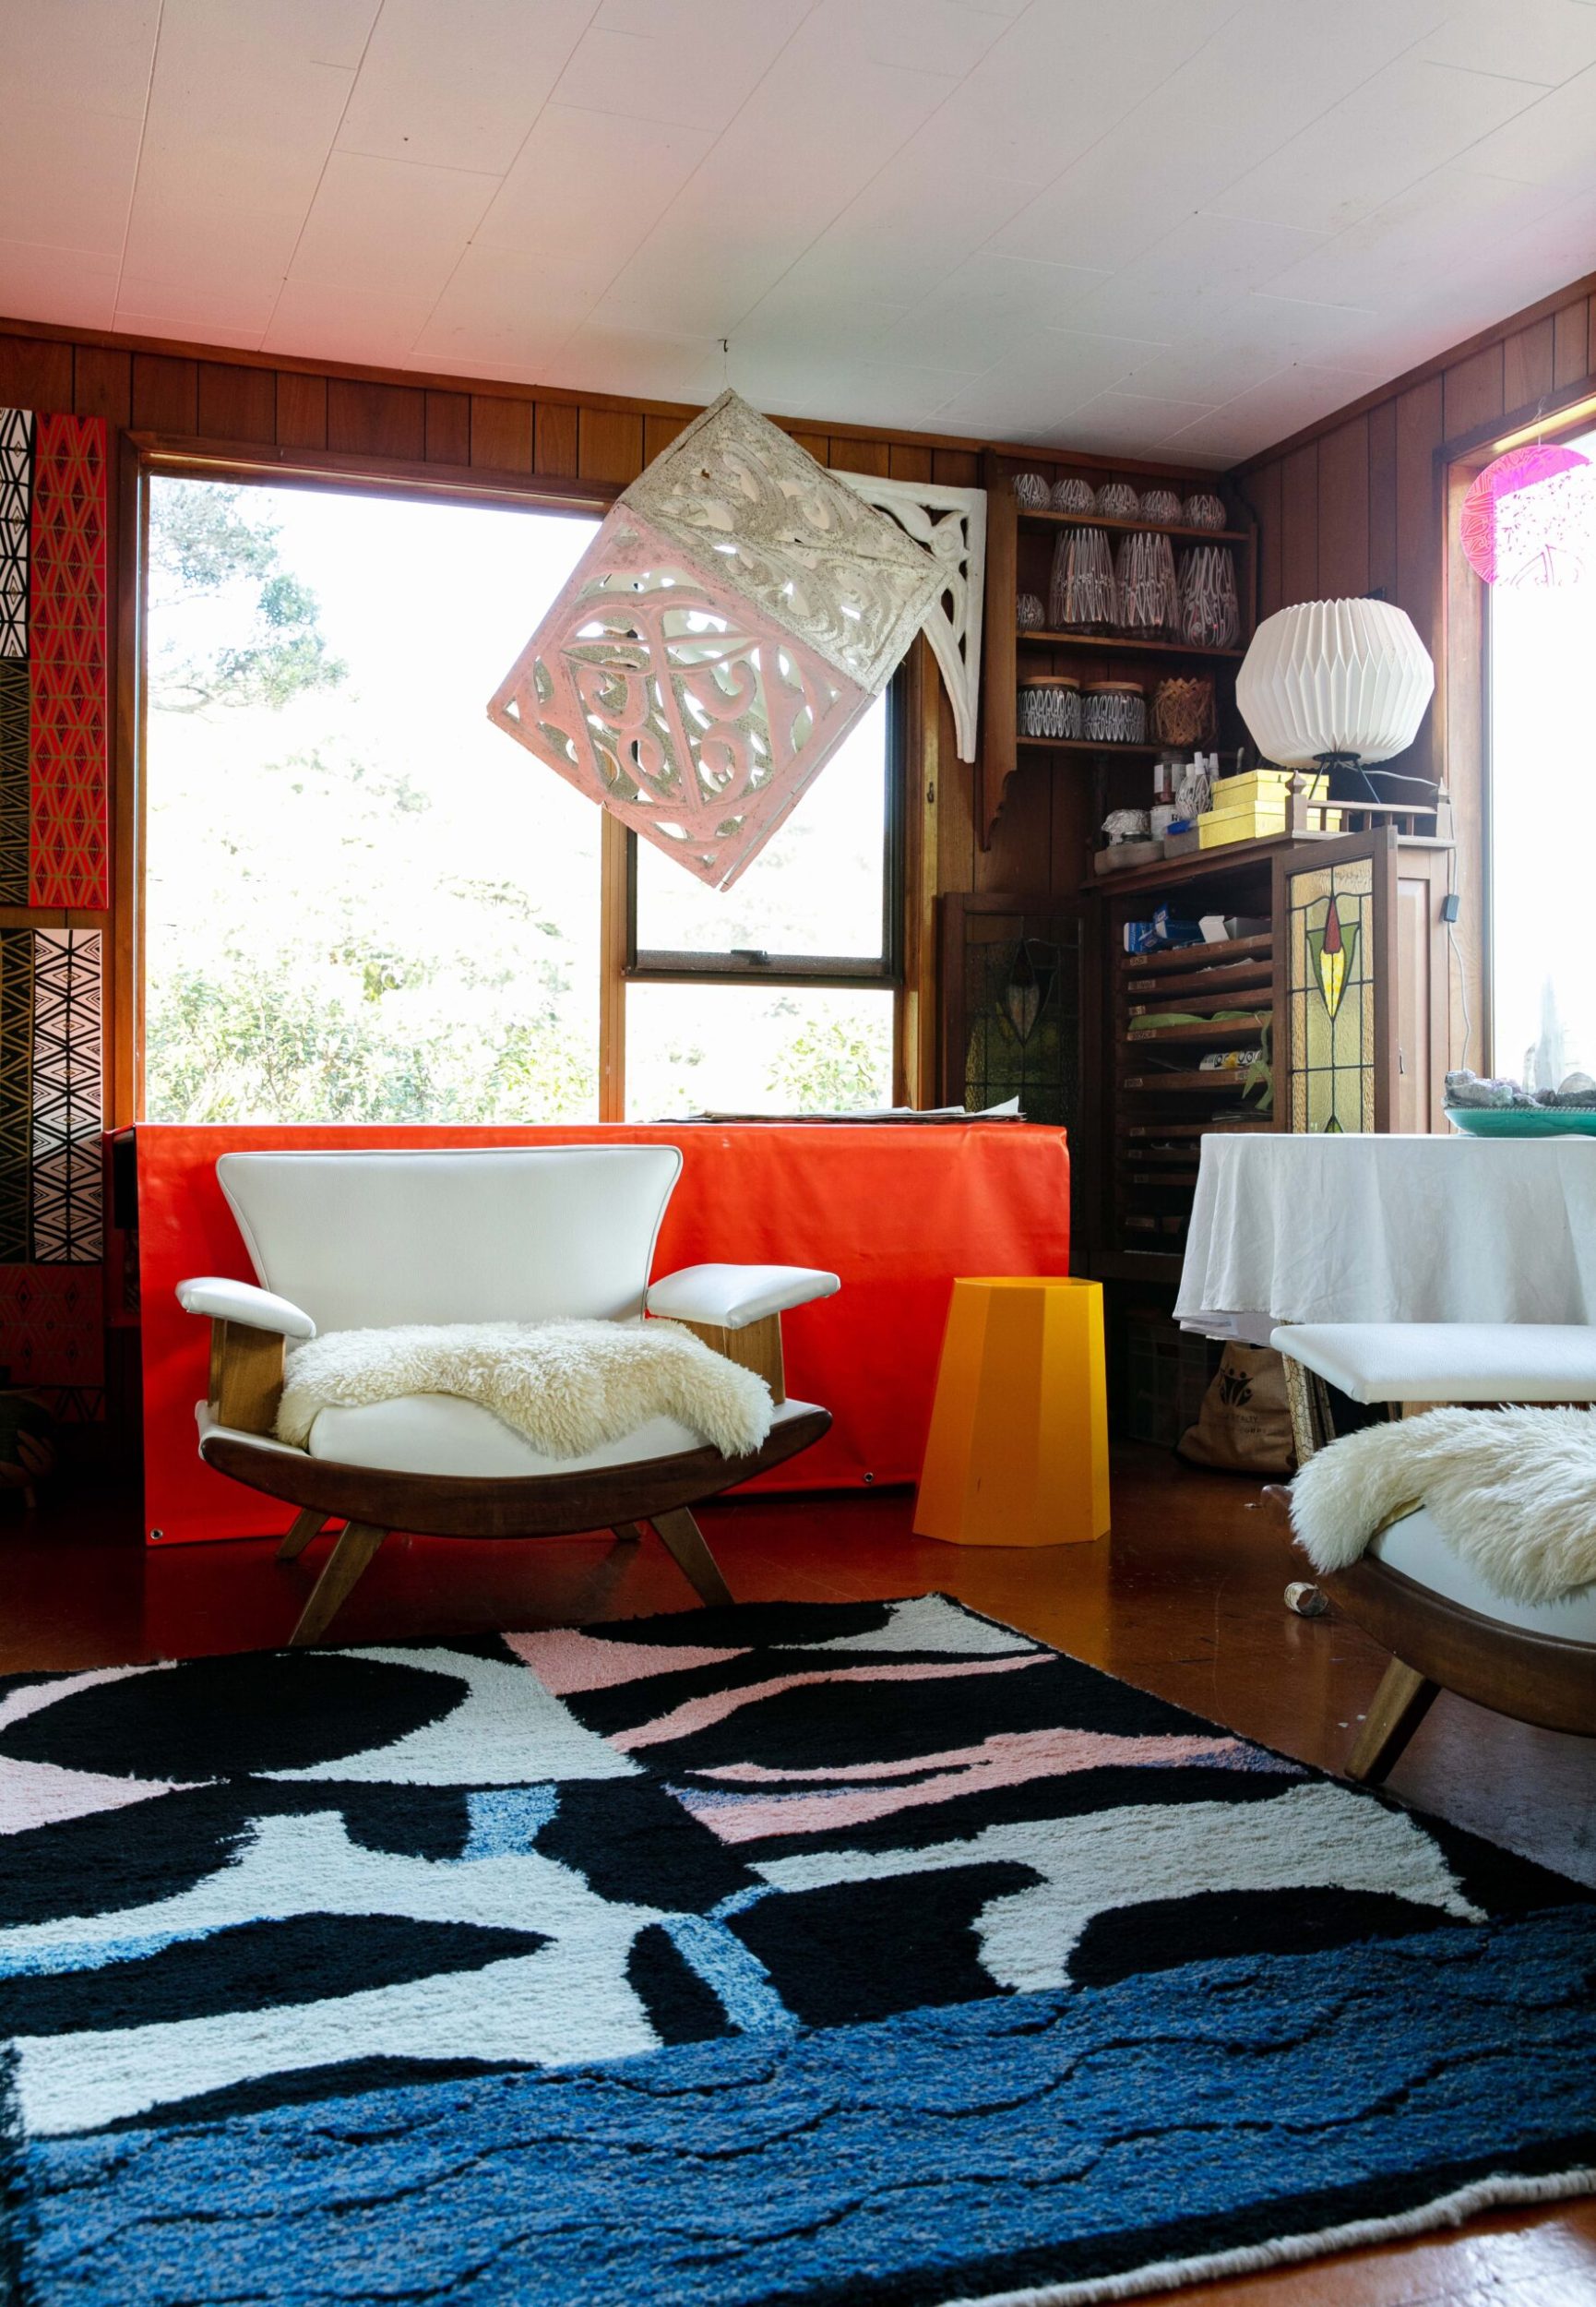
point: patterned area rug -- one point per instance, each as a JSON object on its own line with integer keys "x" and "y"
{"x": 867, "y": 1953}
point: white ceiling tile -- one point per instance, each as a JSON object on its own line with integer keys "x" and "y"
{"x": 1038, "y": 385}
{"x": 69, "y": 288}
{"x": 988, "y": 307}
{"x": 690, "y": 63}
{"x": 457, "y": 83}
{"x": 596, "y": 359}
{"x": 95, "y": 55}
{"x": 1405, "y": 248}
{"x": 1124, "y": 421}
{"x": 242, "y": 111}
{"x": 911, "y": 224}
{"x": 589, "y": 187}
{"x": 82, "y": 204}
{"x": 320, "y": 318}
{"x": 1272, "y": 409}
{"x": 1188, "y": 283}
{"x": 1409, "y": 119}
{"x": 1551, "y": 142}
{"x": 1547, "y": 41}
{"x": 795, "y": 320}
{"x": 503, "y": 308}
{"x": 189, "y": 308}
{"x": 391, "y": 226}
{"x": 857, "y": 393}
{"x": 930, "y": 35}
{"x": 131, "y": 322}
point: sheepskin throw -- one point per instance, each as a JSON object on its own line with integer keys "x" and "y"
{"x": 567, "y": 1387}
{"x": 1514, "y": 1492}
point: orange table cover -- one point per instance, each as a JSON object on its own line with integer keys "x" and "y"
{"x": 896, "y": 1210}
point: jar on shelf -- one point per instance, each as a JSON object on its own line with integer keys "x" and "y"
{"x": 1031, "y": 493}
{"x": 1030, "y": 612}
{"x": 1082, "y": 597}
{"x": 1144, "y": 579}
{"x": 1049, "y": 705}
{"x": 1117, "y": 500}
{"x": 1073, "y": 495}
{"x": 1208, "y": 615}
{"x": 1183, "y": 711}
{"x": 1203, "y": 510}
{"x": 1163, "y": 506}
{"x": 1113, "y": 712}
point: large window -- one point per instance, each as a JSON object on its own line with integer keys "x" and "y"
{"x": 362, "y": 902}
{"x": 1544, "y": 989}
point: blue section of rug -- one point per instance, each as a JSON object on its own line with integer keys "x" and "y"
{"x": 868, "y": 1953}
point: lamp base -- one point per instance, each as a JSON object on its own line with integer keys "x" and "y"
{"x": 1378, "y": 792}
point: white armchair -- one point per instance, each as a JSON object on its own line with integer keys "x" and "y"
{"x": 364, "y": 1239}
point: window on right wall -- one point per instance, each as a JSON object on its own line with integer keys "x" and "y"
{"x": 1542, "y": 828}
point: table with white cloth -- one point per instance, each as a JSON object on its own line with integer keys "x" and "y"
{"x": 1298, "y": 1229}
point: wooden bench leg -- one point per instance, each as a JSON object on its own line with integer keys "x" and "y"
{"x": 628, "y": 1532}
{"x": 304, "y": 1527}
{"x": 1400, "y": 1706}
{"x": 685, "y": 1542}
{"x": 345, "y": 1567}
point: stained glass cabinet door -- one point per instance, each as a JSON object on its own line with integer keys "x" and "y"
{"x": 1336, "y": 1068}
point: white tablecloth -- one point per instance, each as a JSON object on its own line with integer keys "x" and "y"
{"x": 1390, "y": 1229}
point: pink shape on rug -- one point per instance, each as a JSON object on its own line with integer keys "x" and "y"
{"x": 42, "y": 1793}
{"x": 698, "y": 1713}
{"x": 1008, "y": 1759}
{"x": 565, "y": 1660}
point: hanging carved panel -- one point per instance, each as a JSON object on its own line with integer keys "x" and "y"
{"x": 731, "y": 619}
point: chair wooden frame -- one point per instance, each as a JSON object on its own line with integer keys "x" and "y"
{"x": 246, "y": 1381}
{"x": 1437, "y": 1644}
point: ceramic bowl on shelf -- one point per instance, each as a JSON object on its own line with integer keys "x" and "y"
{"x": 1072, "y": 494}
{"x": 1117, "y": 500}
{"x": 1031, "y": 492}
{"x": 1144, "y": 579}
{"x": 1163, "y": 506}
{"x": 1113, "y": 712}
{"x": 1202, "y": 509}
{"x": 1208, "y": 615}
{"x": 1082, "y": 597}
{"x": 1049, "y": 706}
{"x": 1030, "y": 612}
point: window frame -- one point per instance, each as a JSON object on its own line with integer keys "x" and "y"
{"x": 146, "y": 456}
{"x": 745, "y": 966}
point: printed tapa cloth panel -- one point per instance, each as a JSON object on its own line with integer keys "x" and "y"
{"x": 51, "y": 1067}
{"x": 54, "y": 657}
{"x": 858, "y": 1953}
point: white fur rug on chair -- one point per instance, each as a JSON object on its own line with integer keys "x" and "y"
{"x": 1514, "y": 1492}
{"x": 568, "y": 1387}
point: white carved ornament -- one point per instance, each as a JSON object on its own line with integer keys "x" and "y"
{"x": 723, "y": 631}
{"x": 951, "y": 524}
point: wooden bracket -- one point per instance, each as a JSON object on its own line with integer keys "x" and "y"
{"x": 246, "y": 1376}
{"x": 757, "y": 1347}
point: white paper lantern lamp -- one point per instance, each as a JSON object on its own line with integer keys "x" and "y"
{"x": 1335, "y": 684}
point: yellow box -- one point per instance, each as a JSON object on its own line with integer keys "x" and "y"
{"x": 1262, "y": 824}
{"x": 1018, "y": 1451}
{"x": 1269, "y": 786}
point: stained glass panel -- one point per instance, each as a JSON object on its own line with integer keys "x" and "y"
{"x": 1331, "y": 997}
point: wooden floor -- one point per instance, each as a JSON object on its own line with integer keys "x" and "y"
{"x": 1184, "y": 1600}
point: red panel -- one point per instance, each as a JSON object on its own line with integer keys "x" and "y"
{"x": 68, "y": 661}
{"x": 897, "y": 1211}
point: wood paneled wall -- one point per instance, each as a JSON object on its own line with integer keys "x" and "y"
{"x": 1363, "y": 502}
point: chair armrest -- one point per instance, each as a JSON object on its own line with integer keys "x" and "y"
{"x": 731, "y": 1298}
{"x": 242, "y": 1302}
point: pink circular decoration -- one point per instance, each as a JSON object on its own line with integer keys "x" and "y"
{"x": 1535, "y": 559}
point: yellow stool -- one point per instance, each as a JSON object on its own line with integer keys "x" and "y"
{"x": 1017, "y": 1452}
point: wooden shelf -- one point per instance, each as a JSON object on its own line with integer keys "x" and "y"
{"x": 1085, "y": 745}
{"x": 1030, "y": 636}
{"x": 1138, "y": 1266}
{"x": 1203, "y": 989}
{"x": 1187, "y": 957}
{"x": 1137, "y": 1131}
{"x": 1189, "y": 1082}
{"x": 1037, "y": 517}
{"x": 1233, "y": 1033}
{"x": 1202, "y": 865}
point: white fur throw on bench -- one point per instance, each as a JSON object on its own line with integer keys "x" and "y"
{"x": 568, "y": 1387}
{"x": 1514, "y": 1492}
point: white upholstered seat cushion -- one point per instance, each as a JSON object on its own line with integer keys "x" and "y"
{"x": 1415, "y": 1546}
{"x": 439, "y": 1433}
{"x": 1448, "y": 1361}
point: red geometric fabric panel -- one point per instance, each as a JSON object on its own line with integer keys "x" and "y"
{"x": 68, "y": 662}
{"x": 53, "y": 1322}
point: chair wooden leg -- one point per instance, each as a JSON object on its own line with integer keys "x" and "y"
{"x": 304, "y": 1527}
{"x": 685, "y": 1542}
{"x": 1400, "y": 1706}
{"x": 345, "y": 1567}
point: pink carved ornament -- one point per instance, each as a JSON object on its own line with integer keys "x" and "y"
{"x": 727, "y": 626}
{"x": 1527, "y": 522}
